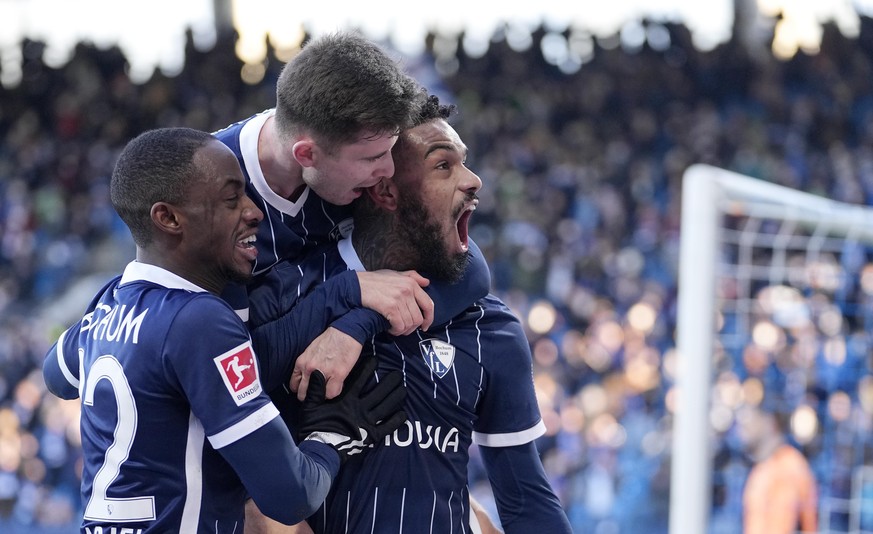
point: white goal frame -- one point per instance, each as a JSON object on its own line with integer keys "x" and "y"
{"x": 707, "y": 194}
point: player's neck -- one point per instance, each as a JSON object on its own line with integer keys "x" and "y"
{"x": 379, "y": 247}
{"x": 281, "y": 171}
{"x": 767, "y": 447}
{"x": 210, "y": 281}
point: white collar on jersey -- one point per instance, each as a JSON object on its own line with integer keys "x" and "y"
{"x": 147, "y": 272}
{"x": 248, "y": 147}
{"x": 349, "y": 255}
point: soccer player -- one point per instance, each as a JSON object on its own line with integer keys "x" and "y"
{"x": 176, "y": 427}
{"x": 468, "y": 380}
{"x": 340, "y": 105}
{"x": 780, "y": 495}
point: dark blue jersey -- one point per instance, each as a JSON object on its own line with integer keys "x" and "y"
{"x": 172, "y": 405}
{"x": 468, "y": 381}
{"x": 291, "y": 230}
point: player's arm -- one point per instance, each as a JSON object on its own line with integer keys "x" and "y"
{"x": 214, "y": 367}
{"x": 451, "y": 299}
{"x": 288, "y": 317}
{"x": 525, "y": 499}
{"x": 258, "y": 523}
{"x": 60, "y": 369}
{"x": 509, "y": 422}
{"x": 483, "y": 520}
{"x": 283, "y": 325}
{"x": 288, "y": 483}
{"x": 397, "y": 302}
{"x": 808, "y": 501}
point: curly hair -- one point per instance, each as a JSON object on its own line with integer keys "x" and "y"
{"x": 432, "y": 109}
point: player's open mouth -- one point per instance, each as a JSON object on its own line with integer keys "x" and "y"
{"x": 247, "y": 246}
{"x": 463, "y": 225}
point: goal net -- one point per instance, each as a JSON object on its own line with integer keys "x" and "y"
{"x": 775, "y": 312}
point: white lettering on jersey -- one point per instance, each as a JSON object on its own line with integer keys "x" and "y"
{"x": 112, "y": 530}
{"x": 114, "y": 324}
{"x": 426, "y": 437}
{"x": 239, "y": 371}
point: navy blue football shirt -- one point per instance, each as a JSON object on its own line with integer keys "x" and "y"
{"x": 292, "y": 229}
{"x": 468, "y": 381}
{"x": 162, "y": 396}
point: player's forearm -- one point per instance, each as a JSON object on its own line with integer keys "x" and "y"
{"x": 60, "y": 378}
{"x": 286, "y": 482}
{"x": 525, "y": 500}
{"x": 279, "y": 341}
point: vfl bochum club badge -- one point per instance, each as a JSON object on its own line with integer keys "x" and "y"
{"x": 438, "y": 355}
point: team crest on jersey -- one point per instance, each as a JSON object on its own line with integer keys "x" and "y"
{"x": 438, "y": 355}
{"x": 342, "y": 230}
{"x": 240, "y": 373}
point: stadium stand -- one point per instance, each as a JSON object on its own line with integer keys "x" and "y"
{"x": 578, "y": 219}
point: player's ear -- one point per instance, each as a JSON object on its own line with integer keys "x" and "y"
{"x": 384, "y": 194}
{"x": 166, "y": 218}
{"x": 304, "y": 152}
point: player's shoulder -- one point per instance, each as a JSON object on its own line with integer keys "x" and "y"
{"x": 235, "y": 127}
{"x": 194, "y": 309}
{"x": 491, "y": 310}
{"x": 230, "y": 134}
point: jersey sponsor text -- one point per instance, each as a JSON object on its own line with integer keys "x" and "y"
{"x": 425, "y": 436}
{"x": 112, "y": 530}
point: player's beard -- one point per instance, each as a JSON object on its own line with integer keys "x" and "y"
{"x": 434, "y": 260}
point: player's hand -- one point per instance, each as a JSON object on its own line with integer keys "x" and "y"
{"x": 355, "y": 419}
{"x": 399, "y": 297}
{"x": 334, "y": 353}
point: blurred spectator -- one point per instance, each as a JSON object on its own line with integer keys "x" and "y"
{"x": 780, "y": 495}
{"x": 579, "y": 218}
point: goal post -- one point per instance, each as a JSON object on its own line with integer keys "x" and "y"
{"x": 709, "y": 196}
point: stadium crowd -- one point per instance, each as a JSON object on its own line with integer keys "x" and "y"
{"x": 579, "y": 220}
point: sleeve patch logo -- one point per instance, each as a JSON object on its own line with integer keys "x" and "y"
{"x": 438, "y": 355}
{"x": 239, "y": 371}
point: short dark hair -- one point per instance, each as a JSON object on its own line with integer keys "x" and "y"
{"x": 429, "y": 109}
{"x": 341, "y": 85}
{"x": 156, "y": 166}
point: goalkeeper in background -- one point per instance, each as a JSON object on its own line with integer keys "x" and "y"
{"x": 780, "y": 494}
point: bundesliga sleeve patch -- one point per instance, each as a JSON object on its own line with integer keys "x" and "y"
{"x": 239, "y": 371}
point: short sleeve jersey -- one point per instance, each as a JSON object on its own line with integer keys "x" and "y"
{"x": 290, "y": 229}
{"x": 293, "y": 229}
{"x": 468, "y": 381}
{"x": 167, "y": 376}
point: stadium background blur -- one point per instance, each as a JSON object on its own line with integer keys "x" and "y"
{"x": 579, "y": 220}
